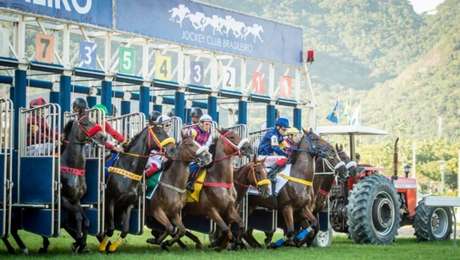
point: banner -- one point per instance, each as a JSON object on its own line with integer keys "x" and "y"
{"x": 209, "y": 27}
{"x": 95, "y": 12}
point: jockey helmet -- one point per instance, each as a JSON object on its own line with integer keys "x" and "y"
{"x": 37, "y": 102}
{"x": 282, "y": 122}
{"x": 79, "y": 105}
{"x": 101, "y": 108}
{"x": 154, "y": 116}
{"x": 205, "y": 118}
{"x": 196, "y": 112}
{"x": 164, "y": 120}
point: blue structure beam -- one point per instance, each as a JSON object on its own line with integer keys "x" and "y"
{"x": 271, "y": 114}
{"x": 20, "y": 96}
{"x": 297, "y": 118}
{"x": 242, "y": 111}
{"x": 212, "y": 107}
{"x": 180, "y": 104}
{"x": 106, "y": 95}
{"x": 144, "y": 100}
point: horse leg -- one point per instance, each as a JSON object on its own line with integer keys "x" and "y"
{"x": 110, "y": 227}
{"x": 76, "y": 210}
{"x": 8, "y": 245}
{"x": 195, "y": 239}
{"x": 125, "y": 217}
{"x": 45, "y": 245}
{"x": 288, "y": 215}
{"x": 158, "y": 237}
{"x": 251, "y": 240}
{"x": 19, "y": 242}
{"x": 268, "y": 238}
{"x": 177, "y": 221}
{"x": 235, "y": 220}
{"x": 222, "y": 241}
{"x": 162, "y": 218}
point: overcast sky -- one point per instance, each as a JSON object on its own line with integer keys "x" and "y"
{"x": 421, "y": 6}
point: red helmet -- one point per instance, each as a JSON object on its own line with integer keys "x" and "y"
{"x": 37, "y": 102}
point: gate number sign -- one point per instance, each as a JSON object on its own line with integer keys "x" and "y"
{"x": 258, "y": 84}
{"x": 285, "y": 86}
{"x": 229, "y": 77}
{"x": 196, "y": 72}
{"x": 88, "y": 54}
{"x": 163, "y": 67}
{"x": 44, "y": 47}
{"x": 126, "y": 60}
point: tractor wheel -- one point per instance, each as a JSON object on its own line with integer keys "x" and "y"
{"x": 373, "y": 211}
{"x": 323, "y": 238}
{"x": 432, "y": 223}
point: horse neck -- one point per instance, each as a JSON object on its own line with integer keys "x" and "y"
{"x": 223, "y": 169}
{"x": 135, "y": 164}
{"x": 304, "y": 165}
{"x": 73, "y": 154}
{"x": 177, "y": 174}
{"x": 239, "y": 178}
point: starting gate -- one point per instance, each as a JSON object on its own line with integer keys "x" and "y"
{"x": 261, "y": 218}
{"x": 6, "y": 164}
{"x": 130, "y": 125}
{"x": 38, "y": 178}
{"x": 176, "y": 128}
{"x": 94, "y": 200}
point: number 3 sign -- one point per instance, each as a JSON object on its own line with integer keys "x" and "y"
{"x": 88, "y": 54}
{"x": 44, "y": 47}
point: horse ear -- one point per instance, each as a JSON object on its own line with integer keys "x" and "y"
{"x": 304, "y": 131}
{"x": 185, "y": 133}
{"x": 337, "y": 147}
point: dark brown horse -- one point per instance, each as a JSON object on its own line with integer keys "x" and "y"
{"x": 170, "y": 197}
{"x": 124, "y": 182}
{"x": 77, "y": 133}
{"x": 218, "y": 198}
{"x": 296, "y": 198}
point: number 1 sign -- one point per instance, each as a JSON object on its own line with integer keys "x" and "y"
{"x": 44, "y": 47}
{"x": 258, "y": 84}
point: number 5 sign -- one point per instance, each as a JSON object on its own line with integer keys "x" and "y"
{"x": 126, "y": 60}
{"x": 44, "y": 47}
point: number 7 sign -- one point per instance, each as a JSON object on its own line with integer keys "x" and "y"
{"x": 44, "y": 47}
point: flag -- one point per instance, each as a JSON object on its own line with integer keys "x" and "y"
{"x": 355, "y": 118}
{"x": 332, "y": 116}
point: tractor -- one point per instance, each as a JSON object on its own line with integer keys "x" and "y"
{"x": 370, "y": 207}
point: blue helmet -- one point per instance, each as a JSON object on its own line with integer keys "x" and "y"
{"x": 283, "y": 122}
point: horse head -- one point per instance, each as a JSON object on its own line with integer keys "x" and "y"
{"x": 87, "y": 130}
{"x": 320, "y": 148}
{"x": 234, "y": 144}
{"x": 261, "y": 180}
{"x": 189, "y": 150}
{"x": 350, "y": 165}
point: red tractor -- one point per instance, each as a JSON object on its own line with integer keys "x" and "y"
{"x": 370, "y": 207}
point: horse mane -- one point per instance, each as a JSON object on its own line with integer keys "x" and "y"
{"x": 134, "y": 139}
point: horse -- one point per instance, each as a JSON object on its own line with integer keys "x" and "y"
{"x": 170, "y": 197}
{"x": 123, "y": 184}
{"x": 218, "y": 198}
{"x": 297, "y": 196}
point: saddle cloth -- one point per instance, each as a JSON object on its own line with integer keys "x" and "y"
{"x": 197, "y": 187}
{"x": 280, "y": 181}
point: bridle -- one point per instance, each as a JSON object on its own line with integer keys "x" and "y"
{"x": 252, "y": 175}
{"x": 235, "y": 148}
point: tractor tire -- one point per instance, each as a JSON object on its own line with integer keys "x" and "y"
{"x": 432, "y": 223}
{"x": 373, "y": 211}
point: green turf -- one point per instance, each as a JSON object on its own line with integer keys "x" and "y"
{"x": 342, "y": 248}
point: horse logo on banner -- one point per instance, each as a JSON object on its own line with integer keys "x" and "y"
{"x": 227, "y": 25}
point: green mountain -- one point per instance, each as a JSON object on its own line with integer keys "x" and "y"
{"x": 403, "y": 68}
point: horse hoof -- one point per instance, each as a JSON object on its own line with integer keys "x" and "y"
{"x": 25, "y": 251}
{"x": 164, "y": 246}
{"x": 199, "y": 246}
{"x": 152, "y": 241}
{"x": 43, "y": 250}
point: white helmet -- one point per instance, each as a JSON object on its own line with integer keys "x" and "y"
{"x": 205, "y": 118}
{"x": 163, "y": 119}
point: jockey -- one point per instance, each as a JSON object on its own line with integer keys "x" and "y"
{"x": 289, "y": 140}
{"x": 270, "y": 148}
{"x": 201, "y": 133}
{"x": 196, "y": 114}
{"x": 156, "y": 160}
{"x": 39, "y": 139}
{"x": 110, "y": 130}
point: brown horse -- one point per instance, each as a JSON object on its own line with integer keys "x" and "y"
{"x": 296, "y": 198}
{"x": 218, "y": 198}
{"x": 169, "y": 198}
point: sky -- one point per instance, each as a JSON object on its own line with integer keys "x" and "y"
{"x": 421, "y": 6}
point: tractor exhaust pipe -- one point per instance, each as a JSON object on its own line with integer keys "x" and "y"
{"x": 395, "y": 160}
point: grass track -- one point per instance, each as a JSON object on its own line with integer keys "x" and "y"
{"x": 342, "y": 249}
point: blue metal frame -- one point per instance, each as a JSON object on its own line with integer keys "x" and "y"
{"x": 125, "y": 107}
{"x": 65, "y": 88}
{"x": 297, "y": 118}
{"x": 144, "y": 100}
{"x": 92, "y": 101}
{"x": 106, "y": 95}
{"x": 212, "y": 107}
{"x": 271, "y": 113}
{"x": 242, "y": 112}
{"x": 180, "y": 104}
{"x": 20, "y": 97}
